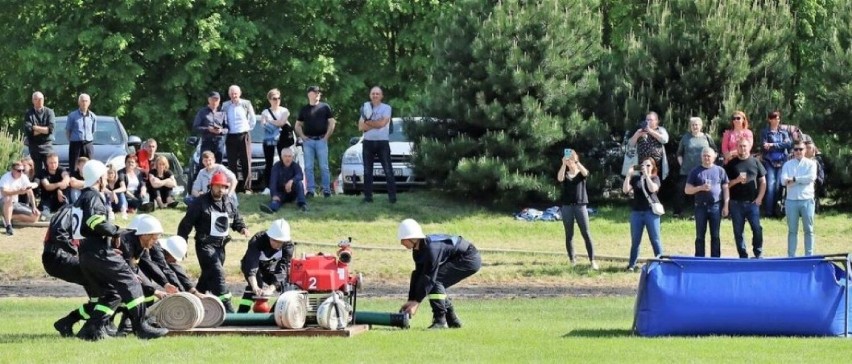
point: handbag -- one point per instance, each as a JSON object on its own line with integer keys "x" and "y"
{"x": 656, "y": 207}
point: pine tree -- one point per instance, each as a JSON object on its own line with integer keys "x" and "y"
{"x": 706, "y": 58}
{"x": 513, "y": 85}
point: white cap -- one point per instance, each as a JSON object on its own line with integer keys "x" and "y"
{"x": 176, "y": 246}
{"x": 92, "y": 172}
{"x": 410, "y": 229}
{"x": 279, "y": 230}
{"x": 146, "y": 224}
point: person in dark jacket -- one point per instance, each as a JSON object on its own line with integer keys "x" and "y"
{"x": 102, "y": 265}
{"x": 286, "y": 184}
{"x": 61, "y": 260}
{"x": 266, "y": 263}
{"x": 440, "y": 261}
{"x": 39, "y": 122}
{"x": 211, "y": 215}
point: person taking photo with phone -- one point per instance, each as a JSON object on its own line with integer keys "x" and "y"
{"x": 572, "y": 176}
{"x": 642, "y": 180}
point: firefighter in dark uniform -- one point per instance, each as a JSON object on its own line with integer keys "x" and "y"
{"x": 61, "y": 260}
{"x": 440, "y": 261}
{"x": 173, "y": 251}
{"x": 134, "y": 249}
{"x": 210, "y": 215}
{"x": 102, "y": 265}
{"x": 266, "y": 263}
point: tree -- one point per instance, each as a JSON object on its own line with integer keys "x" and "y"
{"x": 512, "y": 85}
{"x": 705, "y": 58}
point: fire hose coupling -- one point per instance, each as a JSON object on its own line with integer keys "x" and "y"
{"x": 344, "y": 254}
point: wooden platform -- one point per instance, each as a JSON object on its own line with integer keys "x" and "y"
{"x": 272, "y": 331}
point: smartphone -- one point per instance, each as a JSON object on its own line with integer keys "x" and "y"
{"x": 643, "y": 124}
{"x": 567, "y": 152}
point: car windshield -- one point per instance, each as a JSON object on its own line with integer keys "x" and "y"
{"x": 398, "y": 134}
{"x": 106, "y": 132}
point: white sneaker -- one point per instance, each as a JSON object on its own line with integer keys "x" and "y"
{"x": 265, "y": 191}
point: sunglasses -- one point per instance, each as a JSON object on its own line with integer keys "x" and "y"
{"x": 737, "y": 118}
{"x": 275, "y": 98}
{"x": 798, "y": 149}
{"x": 20, "y": 170}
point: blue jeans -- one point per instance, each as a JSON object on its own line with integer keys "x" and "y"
{"x": 121, "y": 204}
{"x": 644, "y": 220}
{"x": 297, "y": 194}
{"x": 773, "y": 188}
{"x": 796, "y": 209}
{"x": 742, "y": 211}
{"x": 708, "y": 214}
{"x": 317, "y": 149}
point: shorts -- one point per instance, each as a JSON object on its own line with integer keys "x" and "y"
{"x": 19, "y": 208}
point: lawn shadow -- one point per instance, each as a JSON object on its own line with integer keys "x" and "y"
{"x": 599, "y": 333}
{"x": 22, "y": 338}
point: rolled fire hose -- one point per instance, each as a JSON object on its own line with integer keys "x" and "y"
{"x": 179, "y": 311}
{"x": 214, "y": 312}
{"x": 400, "y": 320}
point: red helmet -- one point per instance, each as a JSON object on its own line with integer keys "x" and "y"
{"x": 219, "y": 179}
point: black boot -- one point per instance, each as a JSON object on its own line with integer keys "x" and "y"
{"x": 452, "y": 320}
{"x": 142, "y": 327}
{"x": 65, "y": 325}
{"x": 439, "y": 314}
{"x": 125, "y": 325}
{"x": 93, "y": 330}
{"x": 438, "y": 323}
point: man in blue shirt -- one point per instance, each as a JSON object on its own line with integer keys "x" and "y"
{"x": 209, "y": 123}
{"x": 285, "y": 184}
{"x": 709, "y": 183}
{"x": 80, "y": 130}
{"x": 240, "y": 118}
{"x": 375, "y": 123}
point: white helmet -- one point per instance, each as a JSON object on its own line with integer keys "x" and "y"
{"x": 279, "y": 230}
{"x": 135, "y": 220}
{"x": 92, "y": 172}
{"x": 176, "y": 246}
{"x": 146, "y": 224}
{"x": 333, "y": 313}
{"x": 410, "y": 229}
{"x": 291, "y": 310}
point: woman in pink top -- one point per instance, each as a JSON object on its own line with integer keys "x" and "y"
{"x": 739, "y": 129}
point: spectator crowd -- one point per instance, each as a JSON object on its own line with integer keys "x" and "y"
{"x": 782, "y": 176}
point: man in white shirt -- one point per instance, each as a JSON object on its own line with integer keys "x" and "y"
{"x": 202, "y": 179}
{"x": 12, "y": 184}
{"x": 798, "y": 175}
{"x": 239, "y": 115}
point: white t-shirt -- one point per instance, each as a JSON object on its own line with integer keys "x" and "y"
{"x": 132, "y": 182}
{"x": 9, "y": 182}
{"x": 280, "y": 115}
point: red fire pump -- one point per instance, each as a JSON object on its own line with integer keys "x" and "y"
{"x": 328, "y": 291}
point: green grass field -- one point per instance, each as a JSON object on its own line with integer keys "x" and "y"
{"x": 521, "y": 330}
{"x": 374, "y": 225}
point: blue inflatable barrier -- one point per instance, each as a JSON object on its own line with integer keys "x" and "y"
{"x": 807, "y": 296}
